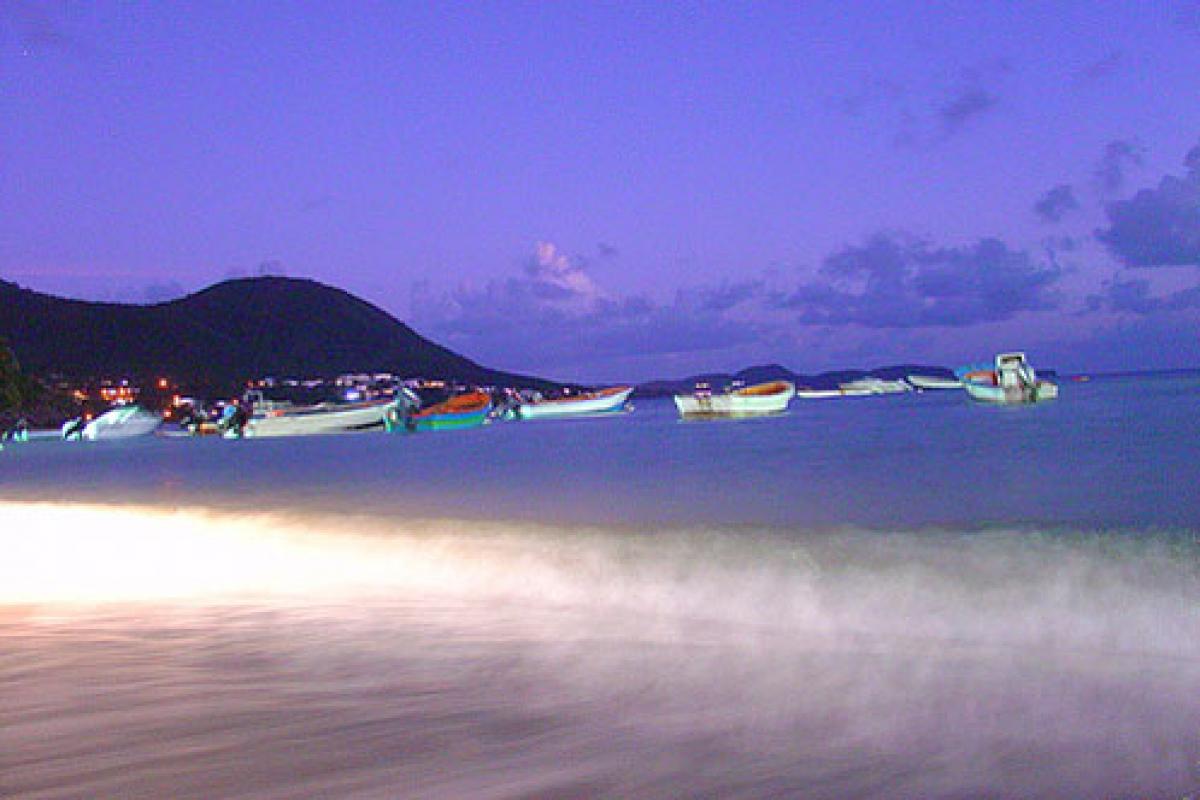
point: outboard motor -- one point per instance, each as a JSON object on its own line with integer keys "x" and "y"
{"x": 72, "y": 429}
{"x": 233, "y": 421}
{"x": 400, "y": 412}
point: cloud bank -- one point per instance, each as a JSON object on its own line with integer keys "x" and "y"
{"x": 554, "y": 313}
{"x": 895, "y": 281}
{"x": 1161, "y": 226}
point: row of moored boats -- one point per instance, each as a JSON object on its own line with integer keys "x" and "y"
{"x": 1009, "y": 380}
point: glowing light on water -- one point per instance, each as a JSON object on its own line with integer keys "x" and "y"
{"x": 87, "y": 554}
{"x": 1109, "y": 594}
{"x": 656, "y": 663}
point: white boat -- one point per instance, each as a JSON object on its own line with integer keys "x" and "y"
{"x": 1011, "y": 381}
{"x": 762, "y": 398}
{"x": 819, "y": 394}
{"x": 923, "y": 382}
{"x": 865, "y": 386}
{"x": 605, "y": 401}
{"x": 122, "y": 422}
{"x": 268, "y": 418}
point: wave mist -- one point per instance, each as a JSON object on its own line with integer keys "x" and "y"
{"x": 151, "y": 652}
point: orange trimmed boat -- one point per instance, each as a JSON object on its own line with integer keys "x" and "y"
{"x": 461, "y": 411}
{"x": 762, "y": 398}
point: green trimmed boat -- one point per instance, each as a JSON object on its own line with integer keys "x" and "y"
{"x": 462, "y": 411}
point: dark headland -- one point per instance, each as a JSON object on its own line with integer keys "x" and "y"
{"x": 222, "y": 336}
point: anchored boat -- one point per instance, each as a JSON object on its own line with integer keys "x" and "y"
{"x": 123, "y": 422}
{"x": 267, "y": 418}
{"x": 604, "y": 401}
{"x": 1011, "y": 381}
{"x": 819, "y": 394}
{"x": 870, "y": 385}
{"x": 461, "y": 411}
{"x": 762, "y": 398}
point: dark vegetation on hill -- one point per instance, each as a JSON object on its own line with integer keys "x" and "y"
{"x": 222, "y": 336}
{"x": 17, "y": 390}
{"x": 25, "y": 399}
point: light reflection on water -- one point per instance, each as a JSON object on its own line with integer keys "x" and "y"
{"x": 152, "y": 652}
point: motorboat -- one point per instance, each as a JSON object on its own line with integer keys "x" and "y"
{"x": 122, "y": 422}
{"x": 871, "y": 385}
{"x": 461, "y": 411}
{"x": 819, "y": 394}
{"x": 260, "y": 418}
{"x": 757, "y": 400}
{"x": 1010, "y": 381}
{"x": 604, "y": 401}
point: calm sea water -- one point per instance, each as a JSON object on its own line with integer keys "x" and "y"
{"x": 905, "y": 596}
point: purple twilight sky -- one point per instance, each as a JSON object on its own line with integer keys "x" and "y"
{"x": 606, "y": 192}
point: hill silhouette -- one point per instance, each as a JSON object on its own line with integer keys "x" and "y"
{"x": 226, "y": 334}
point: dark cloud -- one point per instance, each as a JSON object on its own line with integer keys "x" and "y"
{"x": 893, "y": 281}
{"x": 972, "y": 98}
{"x": 1160, "y": 226}
{"x": 968, "y": 103}
{"x": 1102, "y": 68}
{"x": 927, "y": 113}
{"x": 1133, "y": 296}
{"x": 38, "y": 30}
{"x": 1056, "y": 203}
{"x": 1119, "y": 156}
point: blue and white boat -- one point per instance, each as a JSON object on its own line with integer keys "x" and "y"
{"x": 604, "y": 401}
{"x": 1010, "y": 381}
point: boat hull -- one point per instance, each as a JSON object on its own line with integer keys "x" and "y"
{"x": 121, "y": 423}
{"x": 463, "y": 411}
{"x": 317, "y": 420}
{"x": 609, "y": 402}
{"x": 447, "y": 422}
{"x": 819, "y": 394}
{"x": 734, "y": 404}
{"x": 867, "y": 386}
{"x": 1012, "y": 396}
